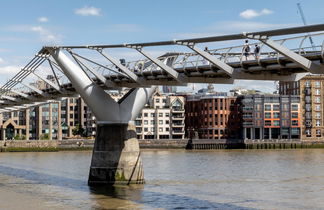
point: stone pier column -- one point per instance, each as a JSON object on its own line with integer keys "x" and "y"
{"x": 116, "y": 156}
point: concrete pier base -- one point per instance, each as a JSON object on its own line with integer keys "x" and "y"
{"x": 116, "y": 156}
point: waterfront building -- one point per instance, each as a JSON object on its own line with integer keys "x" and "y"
{"x": 271, "y": 117}
{"x": 213, "y": 116}
{"x": 39, "y": 122}
{"x": 311, "y": 90}
{"x": 162, "y": 118}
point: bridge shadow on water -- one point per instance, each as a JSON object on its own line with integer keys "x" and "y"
{"x": 134, "y": 193}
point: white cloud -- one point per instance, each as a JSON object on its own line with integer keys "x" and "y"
{"x": 250, "y": 13}
{"x": 46, "y": 35}
{"x": 1, "y": 60}
{"x": 88, "y": 11}
{"x": 42, "y": 19}
{"x": 9, "y": 70}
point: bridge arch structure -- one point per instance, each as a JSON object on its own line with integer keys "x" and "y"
{"x": 92, "y": 70}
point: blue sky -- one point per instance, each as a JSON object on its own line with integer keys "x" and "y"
{"x": 26, "y": 26}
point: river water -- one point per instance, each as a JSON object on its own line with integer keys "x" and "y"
{"x": 175, "y": 179}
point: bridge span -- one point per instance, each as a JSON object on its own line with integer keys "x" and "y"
{"x": 91, "y": 70}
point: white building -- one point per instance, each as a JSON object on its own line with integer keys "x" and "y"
{"x": 162, "y": 118}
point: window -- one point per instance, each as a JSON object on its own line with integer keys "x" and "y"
{"x": 152, "y": 114}
{"x": 318, "y": 122}
{"x": 294, "y": 107}
{"x": 167, "y": 122}
{"x": 294, "y": 115}
{"x": 152, "y": 122}
{"x": 307, "y": 84}
{"x": 160, "y": 122}
{"x": 152, "y": 129}
{"x": 160, "y": 114}
{"x": 145, "y": 122}
{"x": 157, "y": 100}
{"x": 276, "y": 123}
{"x": 308, "y": 133}
{"x": 317, "y": 84}
{"x": 167, "y": 129}
{"x": 294, "y": 122}
{"x": 160, "y": 129}
{"x": 318, "y": 115}
{"x": 276, "y": 115}
{"x": 318, "y": 92}
{"x": 267, "y": 123}
{"x": 267, "y": 107}
{"x": 318, "y": 107}
{"x": 167, "y": 114}
{"x": 145, "y": 129}
{"x": 317, "y": 99}
{"x": 276, "y": 107}
{"x": 267, "y": 115}
{"x": 145, "y": 114}
{"x": 318, "y": 133}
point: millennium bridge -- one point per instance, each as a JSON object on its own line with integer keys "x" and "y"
{"x": 91, "y": 70}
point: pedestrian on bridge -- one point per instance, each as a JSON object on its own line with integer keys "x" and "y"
{"x": 246, "y": 49}
{"x": 256, "y": 51}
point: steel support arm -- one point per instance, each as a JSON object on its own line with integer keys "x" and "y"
{"x": 40, "y": 92}
{"x": 134, "y": 102}
{"x": 303, "y": 62}
{"x": 123, "y": 68}
{"x": 169, "y": 70}
{"x": 52, "y": 84}
{"x": 220, "y": 64}
{"x": 103, "y": 106}
{"x": 20, "y": 93}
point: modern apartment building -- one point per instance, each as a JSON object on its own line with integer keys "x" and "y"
{"x": 271, "y": 116}
{"x": 40, "y": 122}
{"x": 311, "y": 90}
{"x": 213, "y": 116}
{"x": 162, "y": 118}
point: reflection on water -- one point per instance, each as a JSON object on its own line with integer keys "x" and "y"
{"x": 241, "y": 179}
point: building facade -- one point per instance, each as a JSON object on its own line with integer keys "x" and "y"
{"x": 162, "y": 118}
{"x": 311, "y": 91}
{"x": 271, "y": 117}
{"x": 213, "y": 116}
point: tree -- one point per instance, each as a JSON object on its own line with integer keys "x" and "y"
{"x": 78, "y": 130}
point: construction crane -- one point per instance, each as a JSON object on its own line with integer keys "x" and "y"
{"x": 304, "y": 21}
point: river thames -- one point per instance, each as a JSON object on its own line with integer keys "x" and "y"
{"x": 175, "y": 179}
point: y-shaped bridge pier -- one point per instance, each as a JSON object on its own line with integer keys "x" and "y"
{"x": 75, "y": 69}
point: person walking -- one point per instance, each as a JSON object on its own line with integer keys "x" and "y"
{"x": 257, "y": 52}
{"x": 246, "y": 49}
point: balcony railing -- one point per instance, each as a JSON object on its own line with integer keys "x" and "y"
{"x": 177, "y": 131}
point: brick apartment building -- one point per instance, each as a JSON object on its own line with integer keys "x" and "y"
{"x": 213, "y": 116}
{"x": 311, "y": 92}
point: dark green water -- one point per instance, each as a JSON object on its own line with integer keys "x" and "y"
{"x": 175, "y": 179}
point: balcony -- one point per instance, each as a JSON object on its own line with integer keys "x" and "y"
{"x": 178, "y": 116}
{"x": 177, "y": 132}
{"x": 177, "y": 110}
{"x": 247, "y": 117}
{"x": 247, "y": 109}
{"x": 177, "y": 124}
{"x": 245, "y": 124}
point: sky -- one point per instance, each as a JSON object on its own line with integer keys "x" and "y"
{"x": 26, "y": 26}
